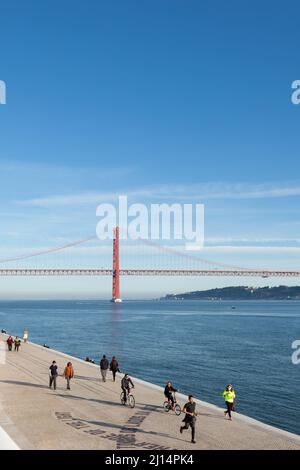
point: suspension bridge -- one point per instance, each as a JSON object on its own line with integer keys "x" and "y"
{"x": 212, "y": 268}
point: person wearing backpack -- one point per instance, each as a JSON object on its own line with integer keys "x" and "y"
{"x": 114, "y": 367}
{"x": 104, "y": 364}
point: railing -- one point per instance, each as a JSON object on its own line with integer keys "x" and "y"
{"x": 147, "y": 272}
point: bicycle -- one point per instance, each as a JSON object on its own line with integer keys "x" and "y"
{"x": 168, "y": 406}
{"x": 130, "y": 399}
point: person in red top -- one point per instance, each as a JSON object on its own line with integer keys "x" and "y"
{"x": 10, "y": 342}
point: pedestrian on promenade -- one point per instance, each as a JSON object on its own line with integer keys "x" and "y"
{"x": 69, "y": 374}
{"x": 190, "y": 417}
{"x": 25, "y": 335}
{"x": 114, "y": 367}
{"x": 229, "y": 397}
{"x": 17, "y": 343}
{"x": 104, "y": 365}
{"x": 10, "y": 342}
{"x": 53, "y": 375}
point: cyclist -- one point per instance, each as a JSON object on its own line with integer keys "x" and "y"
{"x": 169, "y": 390}
{"x": 125, "y": 385}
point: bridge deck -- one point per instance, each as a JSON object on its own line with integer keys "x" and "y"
{"x": 90, "y": 416}
{"x": 11, "y": 272}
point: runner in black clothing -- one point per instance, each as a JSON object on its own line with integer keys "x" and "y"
{"x": 190, "y": 417}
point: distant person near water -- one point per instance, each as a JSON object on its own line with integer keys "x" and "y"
{"x": 69, "y": 374}
{"x": 88, "y": 359}
{"x": 17, "y": 343}
{"x": 114, "y": 367}
{"x": 229, "y": 397}
{"x": 53, "y": 375}
{"x": 25, "y": 335}
{"x": 169, "y": 390}
{"x": 10, "y": 342}
{"x": 104, "y": 365}
{"x": 190, "y": 417}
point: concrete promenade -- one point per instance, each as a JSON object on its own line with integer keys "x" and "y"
{"x": 90, "y": 415}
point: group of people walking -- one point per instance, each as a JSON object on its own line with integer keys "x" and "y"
{"x": 189, "y": 408}
{"x": 53, "y": 374}
{"x": 113, "y": 366}
{"x": 68, "y": 373}
{"x": 10, "y": 342}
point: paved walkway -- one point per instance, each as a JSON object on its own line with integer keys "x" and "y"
{"x": 90, "y": 416}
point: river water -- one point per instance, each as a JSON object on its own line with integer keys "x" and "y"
{"x": 199, "y": 345}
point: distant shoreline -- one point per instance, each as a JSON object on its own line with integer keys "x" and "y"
{"x": 240, "y": 293}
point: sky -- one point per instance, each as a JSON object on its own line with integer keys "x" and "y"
{"x": 163, "y": 101}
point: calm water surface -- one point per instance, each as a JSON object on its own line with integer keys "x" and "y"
{"x": 200, "y": 346}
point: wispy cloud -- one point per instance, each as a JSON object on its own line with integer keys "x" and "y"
{"x": 201, "y": 192}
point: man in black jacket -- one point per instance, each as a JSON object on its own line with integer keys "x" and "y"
{"x": 190, "y": 417}
{"x": 104, "y": 364}
{"x": 53, "y": 375}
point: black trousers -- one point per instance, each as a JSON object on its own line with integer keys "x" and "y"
{"x": 192, "y": 425}
{"x": 114, "y": 375}
{"x": 171, "y": 398}
{"x": 229, "y": 408}
{"x": 126, "y": 392}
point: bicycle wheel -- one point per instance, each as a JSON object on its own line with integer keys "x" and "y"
{"x": 177, "y": 410}
{"x": 166, "y": 406}
{"x": 131, "y": 401}
{"x": 122, "y": 398}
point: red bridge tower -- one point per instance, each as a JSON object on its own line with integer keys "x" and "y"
{"x": 116, "y": 268}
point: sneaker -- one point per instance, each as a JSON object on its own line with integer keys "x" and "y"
{"x": 193, "y": 442}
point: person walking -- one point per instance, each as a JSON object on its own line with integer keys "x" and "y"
{"x": 229, "y": 397}
{"x": 69, "y": 374}
{"x": 114, "y": 367}
{"x": 190, "y": 417}
{"x": 53, "y": 375}
{"x": 10, "y": 342}
{"x": 17, "y": 343}
{"x": 104, "y": 365}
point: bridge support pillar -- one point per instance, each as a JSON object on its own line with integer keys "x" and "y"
{"x": 116, "y": 268}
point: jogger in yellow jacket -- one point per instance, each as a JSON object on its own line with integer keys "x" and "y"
{"x": 229, "y": 397}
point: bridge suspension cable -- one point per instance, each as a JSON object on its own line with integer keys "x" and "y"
{"x": 48, "y": 250}
{"x": 191, "y": 257}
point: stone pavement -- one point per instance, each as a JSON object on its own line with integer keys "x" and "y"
{"x": 90, "y": 415}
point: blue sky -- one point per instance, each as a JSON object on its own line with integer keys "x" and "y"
{"x": 165, "y": 101}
